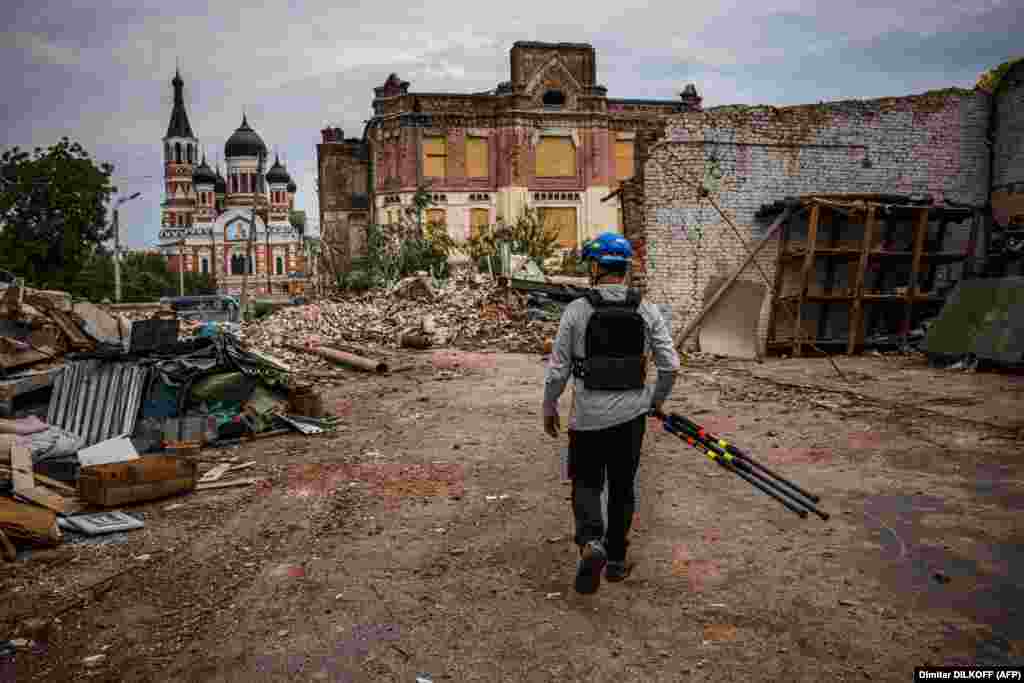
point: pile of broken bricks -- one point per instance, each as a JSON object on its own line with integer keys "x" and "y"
{"x": 469, "y": 312}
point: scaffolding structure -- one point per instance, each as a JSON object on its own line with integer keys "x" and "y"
{"x": 846, "y": 262}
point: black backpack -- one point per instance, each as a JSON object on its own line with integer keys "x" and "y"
{"x": 613, "y": 345}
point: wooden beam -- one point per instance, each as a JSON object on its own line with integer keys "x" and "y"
{"x": 830, "y": 271}
{"x": 920, "y": 232}
{"x": 780, "y": 265}
{"x": 857, "y": 312}
{"x": 805, "y": 277}
{"x": 693, "y": 324}
{"x": 227, "y": 484}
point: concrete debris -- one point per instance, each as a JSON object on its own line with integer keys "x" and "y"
{"x": 463, "y": 314}
{"x": 415, "y": 287}
{"x": 99, "y": 523}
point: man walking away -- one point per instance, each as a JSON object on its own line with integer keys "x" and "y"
{"x": 603, "y": 341}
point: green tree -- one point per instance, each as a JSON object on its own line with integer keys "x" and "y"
{"x": 144, "y": 277}
{"x": 401, "y": 248}
{"x": 298, "y": 221}
{"x": 990, "y": 80}
{"x": 52, "y": 211}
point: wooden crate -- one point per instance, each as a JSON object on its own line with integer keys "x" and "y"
{"x": 148, "y": 478}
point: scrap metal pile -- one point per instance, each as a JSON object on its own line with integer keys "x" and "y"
{"x": 470, "y": 312}
{"x": 131, "y": 404}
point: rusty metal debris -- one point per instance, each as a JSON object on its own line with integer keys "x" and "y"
{"x": 98, "y": 400}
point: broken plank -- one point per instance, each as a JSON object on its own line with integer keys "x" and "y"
{"x": 215, "y": 473}
{"x": 21, "y": 468}
{"x": 57, "y": 485}
{"x": 28, "y": 523}
{"x": 226, "y": 484}
{"x": 50, "y": 501}
{"x": 7, "y": 548}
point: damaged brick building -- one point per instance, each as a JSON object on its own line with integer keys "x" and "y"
{"x": 928, "y": 169}
{"x": 549, "y": 138}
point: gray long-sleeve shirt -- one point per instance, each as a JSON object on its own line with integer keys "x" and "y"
{"x": 602, "y": 409}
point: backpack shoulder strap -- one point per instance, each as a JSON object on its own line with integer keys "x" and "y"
{"x": 595, "y": 298}
{"x": 633, "y": 297}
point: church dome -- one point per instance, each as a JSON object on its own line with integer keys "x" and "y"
{"x": 292, "y": 187}
{"x": 278, "y": 175}
{"x": 221, "y": 185}
{"x": 204, "y": 175}
{"x": 244, "y": 142}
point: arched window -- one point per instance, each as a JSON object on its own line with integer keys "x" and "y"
{"x": 177, "y": 152}
{"x": 167, "y": 152}
{"x": 554, "y": 98}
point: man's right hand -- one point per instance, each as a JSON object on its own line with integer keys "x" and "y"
{"x": 552, "y": 425}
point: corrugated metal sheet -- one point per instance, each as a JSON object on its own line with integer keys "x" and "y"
{"x": 983, "y": 317}
{"x": 98, "y": 400}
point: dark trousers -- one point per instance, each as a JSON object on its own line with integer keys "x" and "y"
{"x": 613, "y": 452}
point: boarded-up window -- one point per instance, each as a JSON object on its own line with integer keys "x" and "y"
{"x": 623, "y": 160}
{"x": 479, "y": 219}
{"x": 556, "y": 157}
{"x": 476, "y": 158}
{"x": 435, "y": 157}
{"x": 560, "y": 220}
{"x": 436, "y": 217}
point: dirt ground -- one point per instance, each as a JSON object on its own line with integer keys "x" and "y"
{"x": 431, "y": 536}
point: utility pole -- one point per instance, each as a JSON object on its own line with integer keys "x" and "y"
{"x": 117, "y": 246}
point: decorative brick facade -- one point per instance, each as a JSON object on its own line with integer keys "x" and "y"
{"x": 206, "y": 216}
{"x": 552, "y": 93}
{"x": 932, "y": 144}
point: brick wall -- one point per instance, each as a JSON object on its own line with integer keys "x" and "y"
{"x": 1008, "y": 130}
{"x": 749, "y": 156}
{"x": 1008, "y": 155}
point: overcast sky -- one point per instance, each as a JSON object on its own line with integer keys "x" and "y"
{"x": 100, "y": 71}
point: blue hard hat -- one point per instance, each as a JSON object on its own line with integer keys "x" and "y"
{"x": 608, "y": 247}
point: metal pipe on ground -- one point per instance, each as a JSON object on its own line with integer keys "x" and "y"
{"x": 349, "y": 359}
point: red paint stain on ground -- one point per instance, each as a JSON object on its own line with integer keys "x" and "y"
{"x": 699, "y": 573}
{"x": 454, "y": 360}
{"x": 865, "y": 440}
{"x": 392, "y": 482}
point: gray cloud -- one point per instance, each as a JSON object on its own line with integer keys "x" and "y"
{"x": 102, "y": 75}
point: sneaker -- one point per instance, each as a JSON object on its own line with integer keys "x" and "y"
{"x": 591, "y": 564}
{"x": 616, "y": 571}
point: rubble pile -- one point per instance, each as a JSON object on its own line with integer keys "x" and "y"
{"x": 469, "y": 313}
{"x": 132, "y": 404}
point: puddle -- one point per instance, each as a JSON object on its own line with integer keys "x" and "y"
{"x": 986, "y": 588}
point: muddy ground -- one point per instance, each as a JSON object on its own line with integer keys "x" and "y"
{"x": 431, "y": 535}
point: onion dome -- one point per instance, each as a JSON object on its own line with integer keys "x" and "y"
{"x": 244, "y": 142}
{"x": 204, "y": 175}
{"x": 278, "y": 175}
{"x": 221, "y": 185}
